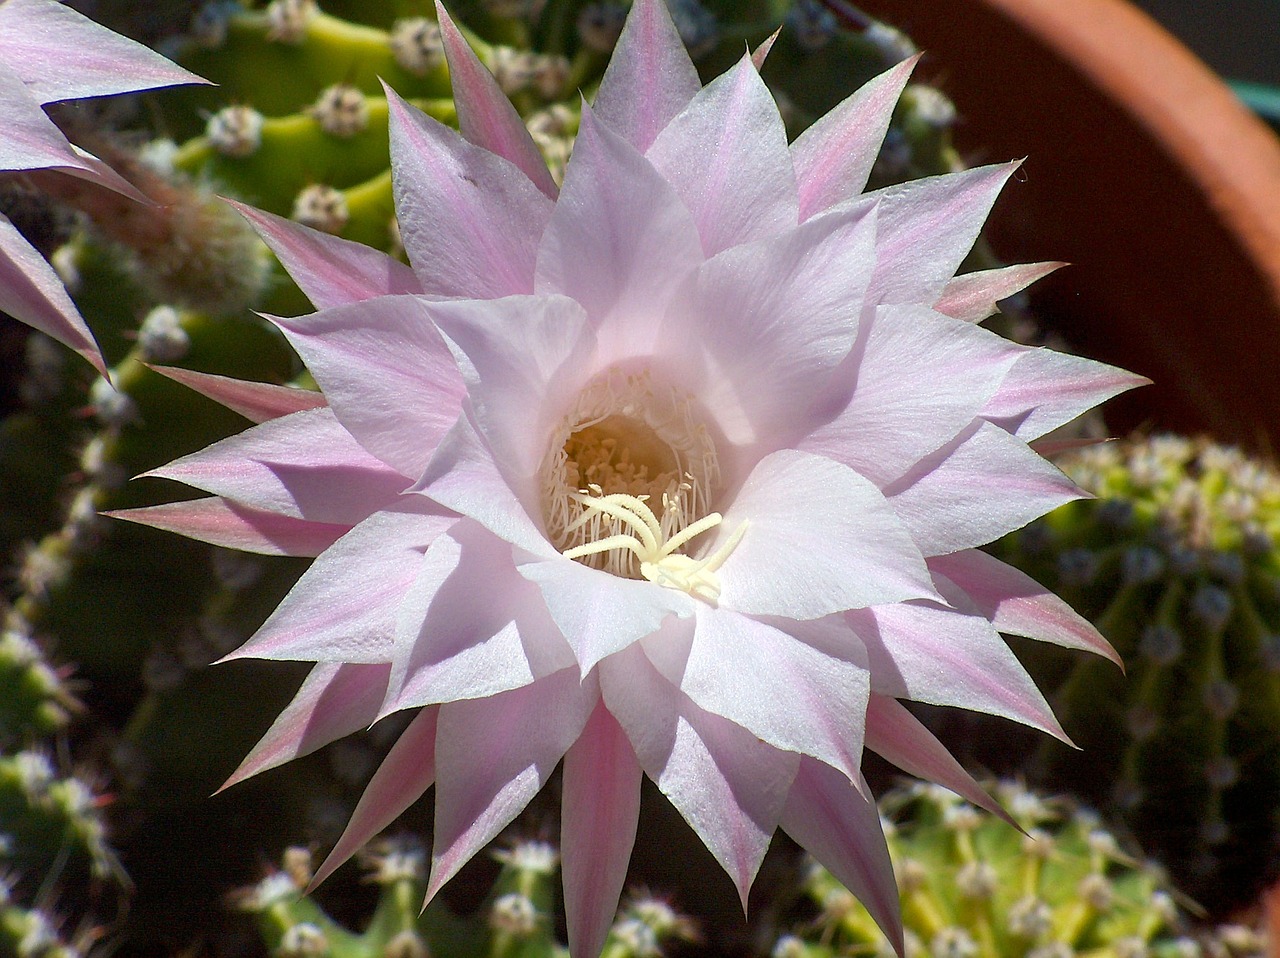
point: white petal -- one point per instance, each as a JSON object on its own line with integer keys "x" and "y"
{"x": 386, "y": 373}
{"x": 976, "y": 488}
{"x": 818, "y": 539}
{"x": 600, "y": 613}
{"x": 729, "y": 786}
{"x": 917, "y": 380}
{"x": 619, "y": 241}
{"x": 523, "y": 360}
{"x": 448, "y": 646}
{"x": 492, "y": 757}
{"x": 343, "y": 609}
{"x": 788, "y": 693}
{"x": 726, "y": 156}
{"x": 650, "y": 77}
{"x": 833, "y": 157}
{"x": 303, "y": 465}
{"x": 469, "y": 219}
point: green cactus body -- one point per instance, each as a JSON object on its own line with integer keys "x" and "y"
{"x": 972, "y": 886}
{"x": 1176, "y": 564}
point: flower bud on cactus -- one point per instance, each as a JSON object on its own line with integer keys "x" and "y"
{"x": 1176, "y": 563}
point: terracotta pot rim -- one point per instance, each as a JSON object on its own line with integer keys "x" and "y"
{"x": 1183, "y": 104}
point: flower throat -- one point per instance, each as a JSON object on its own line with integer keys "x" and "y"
{"x": 628, "y": 483}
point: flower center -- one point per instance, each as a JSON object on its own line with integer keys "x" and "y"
{"x": 628, "y": 483}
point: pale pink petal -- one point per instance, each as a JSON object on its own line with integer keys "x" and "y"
{"x": 899, "y": 737}
{"x": 619, "y": 241}
{"x": 599, "y": 810}
{"x": 1046, "y": 389}
{"x": 335, "y": 700}
{"x": 650, "y": 77}
{"x": 469, "y": 219}
{"x": 228, "y": 524}
{"x": 927, "y": 652}
{"x": 344, "y": 607}
{"x": 304, "y": 465}
{"x": 493, "y": 755}
{"x": 774, "y": 319}
{"x": 403, "y": 777}
{"x": 1050, "y": 447}
{"x": 31, "y": 292}
{"x": 788, "y": 693}
{"x": 818, "y": 539}
{"x": 449, "y": 647}
{"x": 523, "y": 359}
{"x": 462, "y": 476}
{"x": 973, "y": 296}
{"x": 917, "y": 379}
{"x": 973, "y": 490}
{"x": 729, "y": 786}
{"x": 837, "y": 822}
{"x": 599, "y": 613}
{"x": 927, "y": 228}
{"x": 386, "y": 373}
{"x": 833, "y": 157}
{"x": 726, "y": 156}
{"x": 761, "y": 53}
{"x": 258, "y": 402}
{"x": 1017, "y": 604}
{"x": 485, "y": 115}
{"x": 329, "y": 270}
{"x": 62, "y": 55}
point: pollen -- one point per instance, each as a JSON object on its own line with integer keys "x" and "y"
{"x": 628, "y": 484}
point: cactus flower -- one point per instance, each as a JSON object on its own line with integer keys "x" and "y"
{"x": 678, "y": 470}
{"x": 48, "y": 52}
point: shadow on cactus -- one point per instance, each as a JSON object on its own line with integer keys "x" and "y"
{"x": 1176, "y": 563}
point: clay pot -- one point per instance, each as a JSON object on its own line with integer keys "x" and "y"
{"x": 1143, "y": 171}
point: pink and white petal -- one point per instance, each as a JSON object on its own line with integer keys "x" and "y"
{"x": 788, "y": 693}
{"x": 403, "y": 777}
{"x": 304, "y": 465}
{"x": 63, "y": 55}
{"x": 774, "y": 319}
{"x": 386, "y": 373}
{"x": 729, "y": 786}
{"x": 650, "y": 77}
{"x": 1046, "y": 389}
{"x": 927, "y": 652}
{"x": 221, "y": 522}
{"x": 485, "y": 115}
{"x": 449, "y": 647}
{"x": 257, "y": 402}
{"x": 469, "y": 219}
{"x": 726, "y": 156}
{"x": 761, "y": 52}
{"x": 523, "y": 359}
{"x": 973, "y": 296}
{"x": 981, "y": 485}
{"x": 598, "y": 814}
{"x": 31, "y": 292}
{"x": 1049, "y": 447}
{"x": 599, "y": 613}
{"x": 463, "y": 476}
{"x": 493, "y": 755}
{"x": 899, "y": 737}
{"x": 818, "y": 539}
{"x": 833, "y": 158}
{"x": 344, "y": 607}
{"x": 331, "y": 271}
{"x": 927, "y": 228}
{"x": 1017, "y": 604}
{"x": 917, "y": 379}
{"x": 619, "y": 241}
{"x": 335, "y": 700}
{"x": 837, "y": 822}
